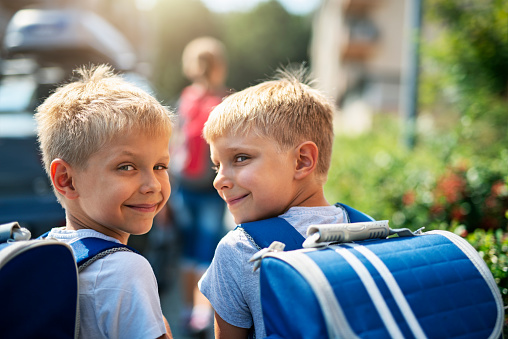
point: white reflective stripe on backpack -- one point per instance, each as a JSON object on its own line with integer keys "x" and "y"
{"x": 336, "y": 323}
{"x": 394, "y": 288}
{"x": 372, "y": 290}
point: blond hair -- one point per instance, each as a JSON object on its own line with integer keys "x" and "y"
{"x": 82, "y": 116}
{"x": 286, "y": 110}
{"x": 201, "y": 56}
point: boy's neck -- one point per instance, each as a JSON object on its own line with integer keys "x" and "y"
{"x": 310, "y": 198}
{"x": 73, "y": 224}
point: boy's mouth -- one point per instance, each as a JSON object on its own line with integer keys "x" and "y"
{"x": 233, "y": 201}
{"x": 144, "y": 207}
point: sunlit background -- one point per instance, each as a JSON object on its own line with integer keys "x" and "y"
{"x": 420, "y": 86}
{"x": 354, "y": 48}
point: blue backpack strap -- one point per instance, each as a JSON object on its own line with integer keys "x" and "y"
{"x": 263, "y": 232}
{"x": 353, "y": 215}
{"x": 88, "y": 250}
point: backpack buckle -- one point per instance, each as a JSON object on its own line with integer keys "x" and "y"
{"x": 275, "y": 246}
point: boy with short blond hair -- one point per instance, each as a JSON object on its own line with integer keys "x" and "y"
{"x": 271, "y": 145}
{"x": 105, "y": 147}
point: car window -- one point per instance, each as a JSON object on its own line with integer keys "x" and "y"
{"x": 16, "y": 93}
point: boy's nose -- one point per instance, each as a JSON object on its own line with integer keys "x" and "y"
{"x": 221, "y": 181}
{"x": 150, "y": 183}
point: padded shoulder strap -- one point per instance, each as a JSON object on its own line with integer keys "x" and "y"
{"x": 353, "y": 215}
{"x": 263, "y": 232}
{"x": 88, "y": 250}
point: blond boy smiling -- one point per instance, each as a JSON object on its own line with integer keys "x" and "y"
{"x": 271, "y": 145}
{"x": 105, "y": 148}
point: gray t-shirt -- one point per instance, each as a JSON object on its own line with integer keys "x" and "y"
{"x": 230, "y": 284}
{"x": 118, "y": 295}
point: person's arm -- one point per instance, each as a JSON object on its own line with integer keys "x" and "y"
{"x": 224, "y": 330}
{"x": 168, "y": 334}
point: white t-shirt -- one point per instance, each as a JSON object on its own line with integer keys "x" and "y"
{"x": 118, "y": 295}
{"x": 230, "y": 284}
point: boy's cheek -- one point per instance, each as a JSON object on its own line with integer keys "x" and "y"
{"x": 166, "y": 191}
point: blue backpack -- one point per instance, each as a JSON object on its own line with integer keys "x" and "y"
{"x": 416, "y": 285}
{"x": 39, "y": 282}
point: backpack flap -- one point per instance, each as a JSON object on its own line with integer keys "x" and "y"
{"x": 39, "y": 284}
{"x": 433, "y": 285}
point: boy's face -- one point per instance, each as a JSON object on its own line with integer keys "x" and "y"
{"x": 253, "y": 176}
{"x": 124, "y": 185}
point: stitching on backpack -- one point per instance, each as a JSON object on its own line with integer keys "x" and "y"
{"x": 249, "y": 237}
{"x": 102, "y": 255}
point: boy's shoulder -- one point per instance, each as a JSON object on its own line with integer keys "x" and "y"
{"x": 302, "y": 217}
{"x": 126, "y": 270}
{"x": 236, "y": 240}
{"x": 114, "y": 255}
{"x": 291, "y": 227}
{"x": 297, "y": 218}
{"x": 63, "y": 234}
{"x": 234, "y": 250}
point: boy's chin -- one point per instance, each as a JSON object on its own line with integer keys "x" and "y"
{"x": 240, "y": 220}
{"x": 244, "y": 219}
{"x": 146, "y": 227}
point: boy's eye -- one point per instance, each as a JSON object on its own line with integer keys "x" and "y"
{"x": 160, "y": 167}
{"x": 241, "y": 158}
{"x": 215, "y": 168}
{"x": 126, "y": 168}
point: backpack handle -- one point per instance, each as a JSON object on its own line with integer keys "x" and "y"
{"x": 13, "y": 232}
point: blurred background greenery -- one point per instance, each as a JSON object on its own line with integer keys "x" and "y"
{"x": 258, "y": 41}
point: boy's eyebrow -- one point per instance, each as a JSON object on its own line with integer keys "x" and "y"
{"x": 132, "y": 154}
{"x": 127, "y": 153}
{"x": 241, "y": 147}
{"x": 234, "y": 149}
{"x": 124, "y": 152}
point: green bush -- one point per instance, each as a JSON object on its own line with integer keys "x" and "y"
{"x": 430, "y": 186}
{"x": 493, "y": 248}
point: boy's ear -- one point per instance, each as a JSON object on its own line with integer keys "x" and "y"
{"x": 62, "y": 178}
{"x": 306, "y": 159}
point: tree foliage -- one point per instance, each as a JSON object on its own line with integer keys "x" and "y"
{"x": 470, "y": 69}
{"x": 177, "y": 23}
{"x": 263, "y": 39}
{"x": 475, "y": 42}
{"x": 257, "y": 41}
